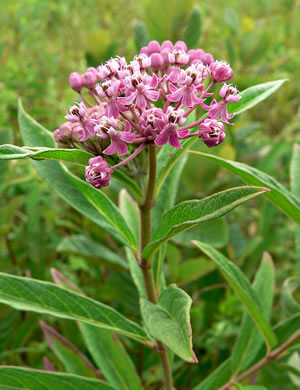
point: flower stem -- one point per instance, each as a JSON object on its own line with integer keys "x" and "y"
{"x": 270, "y": 357}
{"x": 145, "y": 264}
{"x": 129, "y": 158}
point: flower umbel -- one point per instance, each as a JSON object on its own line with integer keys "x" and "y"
{"x": 146, "y": 101}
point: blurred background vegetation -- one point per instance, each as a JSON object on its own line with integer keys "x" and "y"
{"x": 41, "y": 43}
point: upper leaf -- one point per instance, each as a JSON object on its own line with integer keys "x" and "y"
{"x": 169, "y": 321}
{"x": 89, "y": 201}
{"x": 74, "y": 361}
{"x": 249, "y": 339}
{"x": 74, "y": 156}
{"x": 280, "y": 196}
{"x": 243, "y": 290}
{"x": 254, "y": 95}
{"x": 43, "y": 297}
{"x": 18, "y": 378}
{"x": 189, "y": 213}
{"x": 111, "y": 357}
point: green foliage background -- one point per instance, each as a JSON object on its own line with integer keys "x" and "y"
{"x": 41, "y": 42}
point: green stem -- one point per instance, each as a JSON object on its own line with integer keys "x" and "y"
{"x": 145, "y": 264}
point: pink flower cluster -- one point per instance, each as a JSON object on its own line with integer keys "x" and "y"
{"x": 146, "y": 101}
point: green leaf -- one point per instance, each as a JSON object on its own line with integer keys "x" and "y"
{"x": 74, "y": 156}
{"x": 238, "y": 386}
{"x": 82, "y": 245}
{"x": 243, "y": 290}
{"x": 168, "y": 190}
{"x": 279, "y": 195}
{"x": 108, "y": 352}
{"x": 223, "y": 373}
{"x": 43, "y": 297}
{"x": 129, "y": 183}
{"x": 89, "y": 201}
{"x": 295, "y": 187}
{"x": 130, "y": 212}
{"x": 169, "y": 321}
{"x": 218, "y": 378}
{"x": 288, "y": 300}
{"x": 214, "y": 233}
{"x": 17, "y": 378}
{"x": 140, "y": 35}
{"x": 136, "y": 273}
{"x": 249, "y": 339}
{"x": 193, "y": 28}
{"x": 74, "y": 361}
{"x": 166, "y": 160}
{"x": 111, "y": 357}
{"x": 190, "y": 213}
{"x": 254, "y": 95}
{"x": 193, "y": 269}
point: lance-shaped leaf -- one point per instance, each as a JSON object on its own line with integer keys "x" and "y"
{"x": 111, "y": 357}
{"x": 43, "y": 297}
{"x": 169, "y": 321}
{"x": 190, "y": 213}
{"x": 238, "y": 386}
{"x": 136, "y": 273}
{"x": 86, "y": 199}
{"x": 18, "y": 378}
{"x": 249, "y": 339}
{"x": 72, "y": 358}
{"x": 295, "y": 187}
{"x": 108, "y": 352}
{"x": 289, "y": 301}
{"x": 215, "y": 380}
{"x": 243, "y": 290}
{"x": 279, "y": 195}
{"x": 82, "y": 245}
{"x": 130, "y": 212}
{"x": 74, "y": 156}
{"x": 166, "y": 160}
{"x": 254, "y": 95}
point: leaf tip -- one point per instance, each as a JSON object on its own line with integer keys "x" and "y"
{"x": 195, "y": 360}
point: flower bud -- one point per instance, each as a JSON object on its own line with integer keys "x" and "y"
{"x": 63, "y": 133}
{"x": 98, "y": 173}
{"x": 156, "y": 60}
{"x": 167, "y": 45}
{"x": 153, "y": 47}
{"x": 180, "y": 45}
{"x": 220, "y": 71}
{"x": 89, "y": 79}
{"x": 212, "y": 132}
{"x": 76, "y": 81}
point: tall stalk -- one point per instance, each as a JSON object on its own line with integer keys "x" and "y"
{"x": 145, "y": 264}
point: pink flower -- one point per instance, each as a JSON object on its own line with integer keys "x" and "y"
{"x": 190, "y": 81}
{"x": 230, "y": 94}
{"x": 79, "y": 113}
{"x": 220, "y": 71}
{"x": 212, "y": 132}
{"x": 105, "y": 124}
{"x": 170, "y": 132}
{"x": 144, "y": 90}
{"x": 63, "y": 133}
{"x": 219, "y": 109}
{"x": 98, "y": 173}
{"x": 153, "y": 121}
{"x": 119, "y": 140}
{"x": 110, "y": 90}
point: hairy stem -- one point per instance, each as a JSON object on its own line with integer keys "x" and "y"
{"x": 270, "y": 357}
{"x": 145, "y": 264}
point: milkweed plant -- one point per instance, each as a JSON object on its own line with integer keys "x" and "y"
{"x": 135, "y": 123}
